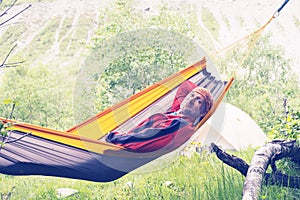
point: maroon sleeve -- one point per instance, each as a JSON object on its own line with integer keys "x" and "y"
{"x": 183, "y": 90}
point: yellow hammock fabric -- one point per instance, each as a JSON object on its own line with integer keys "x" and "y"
{"x": 112, "y": 117}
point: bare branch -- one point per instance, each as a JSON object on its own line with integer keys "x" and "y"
{"x": 231, "y": 160}
{"x": 1, "y": 24}
{"x": 13, "y": 64}
{"x": 5, "y": 12}
{"x": 8, "y": 54}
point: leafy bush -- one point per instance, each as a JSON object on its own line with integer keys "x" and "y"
{"x": 41, "y": 97}
{"x": 265, "y": 79}
{"x": 287, "y": 127}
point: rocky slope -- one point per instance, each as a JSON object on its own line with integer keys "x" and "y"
{"x": 56, "y": 33}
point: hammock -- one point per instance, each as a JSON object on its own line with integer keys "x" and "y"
{"x": 80, "y": 153}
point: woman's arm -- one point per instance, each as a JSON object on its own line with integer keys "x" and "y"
{"x": 184, "y": 89}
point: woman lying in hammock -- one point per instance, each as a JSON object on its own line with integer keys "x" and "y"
{"x": 167, "y": 131}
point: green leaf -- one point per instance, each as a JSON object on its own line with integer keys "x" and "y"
{"x": 9, "y": 124}
{"x": 3, "y": 133}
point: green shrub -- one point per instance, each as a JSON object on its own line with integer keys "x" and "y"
{"x": 287, "y": 127}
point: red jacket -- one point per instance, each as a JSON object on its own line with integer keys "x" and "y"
{"x": 161, "y": 131}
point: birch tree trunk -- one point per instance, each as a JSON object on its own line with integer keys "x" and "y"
{"x": 256, "y": 173}
{"x": 263, "y": 157}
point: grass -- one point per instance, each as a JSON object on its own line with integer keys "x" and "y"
{"x": 210, "y": 22}
{"x": 276, "y": 192}
{"x": 8, "y": 39}
{"x": 65, "y": 28}
{"x": 77, "y": 39}
{"x": 198, "y": 177}
{"x": 42, "y": 41}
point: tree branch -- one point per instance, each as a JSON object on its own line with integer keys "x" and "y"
{"x": 231, "y": 160}
{"x": 13, "y": 64}
{"x": 1, "y": 24}
{"x": 5, "y": 12}
{"x": 8, "y": 54}
{"x": 289, "y": 149}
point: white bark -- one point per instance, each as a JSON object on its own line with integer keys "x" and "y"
{"x": 264, "y": 156}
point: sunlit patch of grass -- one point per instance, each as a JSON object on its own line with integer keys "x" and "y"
{"x": 210, "y": 22}
{"x": 9, "y": 38}
{"x": 42, "y": 41}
